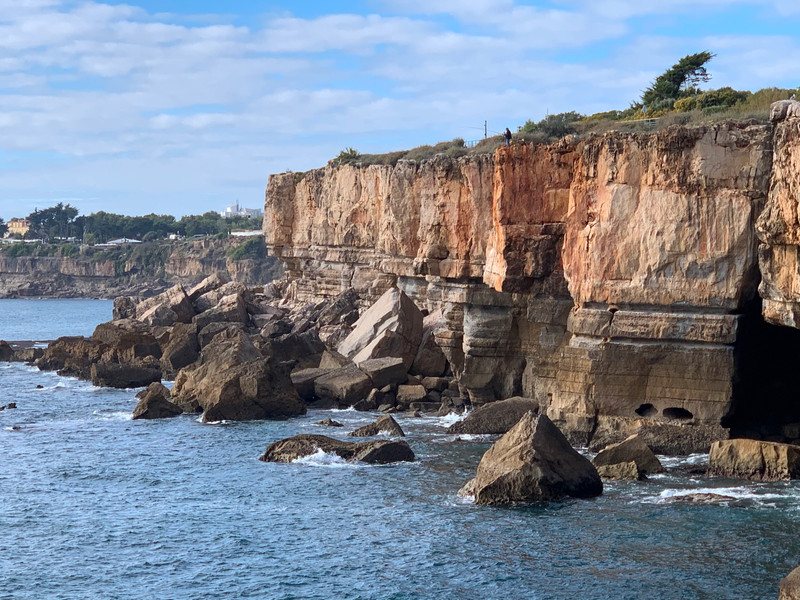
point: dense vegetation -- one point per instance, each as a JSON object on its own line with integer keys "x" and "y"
{"x": 61, "y": 222}
{"x": 674, "y": 97}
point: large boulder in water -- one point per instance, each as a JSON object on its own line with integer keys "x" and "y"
{"x": 532, "y": 462}
{"x": 180, "y": 349}
{"x": 233, "y": 381}
{"x": 155, "y": 404}
{"x": 384, "y": 424}
{"x": 129, "y": 341}
{"x": 116, "y": 375}
{"x": 392, "y": 327}
{"x": 790, "y": 586}
{"x": 299, "y": 446}
{"x": 495, "y": 417}
{"x": 631, "y": 450}
{"x": 72, "y": 356}
{"x": 754, "y": 459}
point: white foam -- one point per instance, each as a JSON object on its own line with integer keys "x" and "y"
{"x": 450, "y": 418}
{"x": 735, "y": 493}
{"x": 113, "y": 415}
{"x": 686, "y": 461}
{"x": 321, "y": 458}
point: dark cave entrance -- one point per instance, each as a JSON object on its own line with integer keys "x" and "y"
{"x": 766, "y": 385}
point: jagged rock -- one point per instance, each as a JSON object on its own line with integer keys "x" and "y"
{"x": 125, "y": 307}
{"x": 406, "y": 394}
{"x": 532, "y": 462}
{"x": 790, "y": 586}
{"x": 181, "y": 348}
{"x": 429, "y": 361}
{"x": 754, "y": 459}
{"x": 6, "y": 351}
{"x": 129, "y": 341}
{"x": 303, "y": 381}
{"x": 229, "y": 309}
{"x": 424, "y": 407}
{"x": 702, "y": 498}
{"x": 305, "y": 348}
{"x": 329, "y": 423}
{"x": 27, "y": 355}
{"x": 170, "y": 307}
{"x": 275, "y": 328}
{"x": 392, "y": 327}
{"x": 385, "y": 424}
{"x": 299, "y": 446}
{"x": 621, "y": 470}
{"x": 233, "y": 381}
{"x": 211, "y": 298}
{"x": 209, "y": 284}
{"x": 495, "y": 417}
{"x": 663, "y": 438}
{"x": 376, "y": 398}
{"x": 632, "y": 449}
{"x": 784, "y": 109}
{"x": 384, "y": 371}
{"x": 210, "y": 331}
{"x": 333, "y": 360}
{"x": 72, "y": 356}
{"x": 346, "y": 385}
{"x": 155, "y": 404}
{"x": 438, "y": 384}
{"x": 117, "y": 375}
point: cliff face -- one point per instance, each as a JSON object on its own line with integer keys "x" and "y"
{"x": 611, "y": 278}
{"x": 136, "y": 270}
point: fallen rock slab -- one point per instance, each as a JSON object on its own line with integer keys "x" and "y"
{"x": 346, "y": 385}
{"x": 632, "y": 449}
{"x": 384, "y": 424}
{"x": 299, "y": 446}
{"x": 532, "y": 462}
{"x": 495, "y": 417}
{"x": 384, "y": 371}
{"x": 754, "y": 459}
{"x": 155, "y": 404}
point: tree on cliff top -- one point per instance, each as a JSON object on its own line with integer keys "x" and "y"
{"x": 678, "y": 81}
{"x": 3, "y": 227}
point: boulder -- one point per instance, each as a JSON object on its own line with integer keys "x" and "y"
{"x": 495, "y": 417}
{"x": 390, "y": 327}
{"x": 346, "y": 385}
{"x": 632, "y": 449}
{"x": 790, "y": 586}
{"x": 211, "y": 298}
{"x": 125, "y": 307}
{"x": 72, "y": 356}
{"x": 6, "y": 351}
{"x": 406, "y": 394}
{"x": 532, "y": 462}
{"x": 303, "y": 381}
{"x": 384, "y": 371}
{"x": 299, "y": 446}
{"x": 435, "y": 384}
{"x": 229, "y": 309}
{"x": 233, "y": 381}
{"x": 385, "y": 424}
{"x": 329, "y": 423}
{"x": 209, "y": 284}
{"x": 115, "y": 375}
{"x": 181, "y": 348}
{"x": 128, "y": 341}
{"x": 754, "y": 459}
{"x": 210, "y": 331}
{"x": 304, "y": 348}
{"x": 27, "y": 355}
{"x": 429, "y": 360}
{"x": 333, "y": 360}
{"x": 621, "y": 470}
{"x": 155, "y": 404}
{"x": 169, "y": 307}
{"x": 702, "y": 498}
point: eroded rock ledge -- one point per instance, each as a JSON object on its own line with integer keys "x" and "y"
{"x": 613, "y": 279}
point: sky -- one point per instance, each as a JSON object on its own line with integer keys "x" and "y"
{"x": 179, "y": 107}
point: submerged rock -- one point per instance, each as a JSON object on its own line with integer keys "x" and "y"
{"x": 495, "y": 417}
{"x": 754, "y": 459}
{"x": 299, "y": 446}
{"x": 532, "y": 462}
{"x": 329, "y": 423}
{"x": 385, "y": 424}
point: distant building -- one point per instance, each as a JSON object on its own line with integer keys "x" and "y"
{"x": 18, "y": 226}
{"x": 237, "y": 211}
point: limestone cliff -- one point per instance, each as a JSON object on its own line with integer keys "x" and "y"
{"x": 610, "y": 278}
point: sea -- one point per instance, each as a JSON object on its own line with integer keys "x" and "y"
{"x": 94, "y": 505}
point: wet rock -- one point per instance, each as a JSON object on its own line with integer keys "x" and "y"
{"x": 117, "y": 375}
{"x": 532, "y": 462}
{"x": 790, "y": 585}
{"x": 6, "y": 351}
{"x": 346, "y": 385}
{"x": 754, "y": 459}
{"x": 495, "y": 417}
{"x": 155, "y": 404}
{"x": 329, "y": 423}
{"x": 633, "y": 449}
{"x": 299, "y": 446}
{"x": 702, "y": 498}
{"x": 385, "y": 424}
{"x": 392, "y": 327}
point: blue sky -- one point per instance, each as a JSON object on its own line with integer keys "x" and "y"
{"x": 179, "y": 107}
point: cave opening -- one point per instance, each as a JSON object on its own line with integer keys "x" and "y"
{"x": 766, "y": 385}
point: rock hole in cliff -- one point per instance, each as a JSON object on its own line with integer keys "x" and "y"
{"x": 647, "y": 410}
{"x": 678, "y": 414}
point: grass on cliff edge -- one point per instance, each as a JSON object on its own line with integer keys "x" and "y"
{"x": 746, "y": 107}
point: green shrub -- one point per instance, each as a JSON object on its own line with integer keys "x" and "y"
{"x": 252, "y": 248}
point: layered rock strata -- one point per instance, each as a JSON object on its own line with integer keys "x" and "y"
{"x": 612, "y": 279}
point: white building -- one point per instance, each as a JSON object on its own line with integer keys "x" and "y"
{"x": 237, "y": 211}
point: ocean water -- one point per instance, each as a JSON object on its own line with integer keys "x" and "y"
{"x": 96, "y": 506}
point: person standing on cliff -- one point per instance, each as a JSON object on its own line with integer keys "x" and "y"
{"x": 507, "y": 135}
